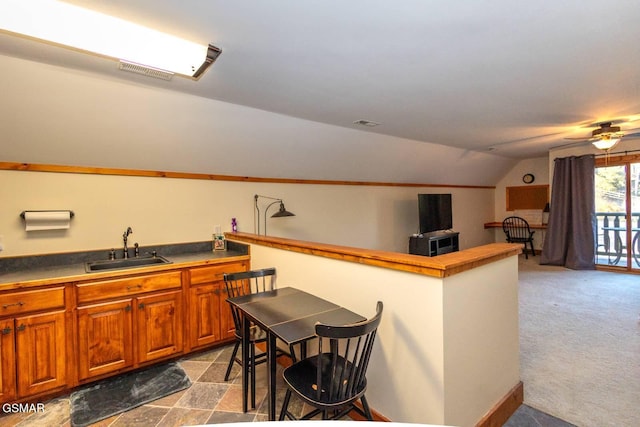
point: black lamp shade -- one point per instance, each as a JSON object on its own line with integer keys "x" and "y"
{"x": 282, "y": 212}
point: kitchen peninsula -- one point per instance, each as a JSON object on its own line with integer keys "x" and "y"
{"x": 447, "y": 350}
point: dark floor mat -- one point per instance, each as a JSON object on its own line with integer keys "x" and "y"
{"x": 114, "y": 395}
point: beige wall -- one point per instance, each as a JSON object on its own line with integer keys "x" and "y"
{"x": 162, "y": 210}
{"x": 447, "y": 349}
{"x": 539, "y": 167}
{"x": 54, "y": 115}
{"x": 481, "y": 341}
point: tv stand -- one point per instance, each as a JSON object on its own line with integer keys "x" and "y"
{"x": 434, "y": 243}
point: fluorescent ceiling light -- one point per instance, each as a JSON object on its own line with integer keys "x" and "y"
{"x": 65, "y": 24}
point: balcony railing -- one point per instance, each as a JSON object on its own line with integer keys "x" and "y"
{"x": 612, "y": 239}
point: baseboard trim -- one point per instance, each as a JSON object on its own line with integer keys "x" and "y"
{"x": 500, "y": 413}
{"x": 376, "y": 415}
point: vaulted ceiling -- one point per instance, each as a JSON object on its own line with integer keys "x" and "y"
{"x": 510, "y": 78}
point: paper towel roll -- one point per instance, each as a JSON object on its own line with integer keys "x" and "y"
{"x": 47, "y": 220}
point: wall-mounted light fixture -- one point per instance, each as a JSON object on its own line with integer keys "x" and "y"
{"x": 82, "y": 29}
{"x": 282, "y": 212}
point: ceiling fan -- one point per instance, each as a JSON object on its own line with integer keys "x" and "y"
{"x": 607, "y": 134}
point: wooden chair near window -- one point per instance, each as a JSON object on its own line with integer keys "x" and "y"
{"x": 244, "y": 283}
{"x": 335, "y": 379}
{"x": 517, "y": 230}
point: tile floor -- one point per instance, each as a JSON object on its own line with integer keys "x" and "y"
{"x": 526, "y": 416}
{"x": 211, "y": 400}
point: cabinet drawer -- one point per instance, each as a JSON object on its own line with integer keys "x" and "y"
{"x": 95, "y": 291}
{"x": 23, "y": 302}
{"x": 215, "y": 273}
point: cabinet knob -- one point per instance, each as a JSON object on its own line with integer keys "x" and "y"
{"x": 21, "y": 328}
{"x": 141, "y": 306}
{"x": 6, "y": 331}
{"x": 127, "y": 308}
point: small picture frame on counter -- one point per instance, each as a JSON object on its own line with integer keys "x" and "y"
{"x": 219, "y": 243}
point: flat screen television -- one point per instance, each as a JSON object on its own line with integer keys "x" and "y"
{"x": 434, "y": 212}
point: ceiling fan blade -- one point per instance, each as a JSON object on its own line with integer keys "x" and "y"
{"x": 526, "y": 139}
{"x": 586, "y": 139}
{"x": 571, "y": 144}
{"x": 632, "y": 135}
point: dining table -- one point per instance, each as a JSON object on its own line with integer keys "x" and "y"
{"x": 288, "y": 314}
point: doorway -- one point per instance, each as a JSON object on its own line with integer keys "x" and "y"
{"x": 617, "y": 205}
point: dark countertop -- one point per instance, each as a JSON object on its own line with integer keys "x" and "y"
{"x": 31, "y": 271}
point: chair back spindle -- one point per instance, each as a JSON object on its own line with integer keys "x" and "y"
{"x": 245, "y": 283}
{"x": 348, "y": 358}
{"x": 334, "y": 379}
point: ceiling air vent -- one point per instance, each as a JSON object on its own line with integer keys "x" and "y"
{"x": 368, "y": 123}
{"x": 145, "y": 71}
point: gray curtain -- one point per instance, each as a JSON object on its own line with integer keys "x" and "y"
{"x": 570, "y": 239}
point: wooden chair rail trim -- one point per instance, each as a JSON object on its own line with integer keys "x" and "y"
{"x": 33, "y": 167}
{"x": 440, "y": 266}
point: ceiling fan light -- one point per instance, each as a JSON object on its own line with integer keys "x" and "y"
{"x": 68, "y": 25}
{"x": 606, "y": 144}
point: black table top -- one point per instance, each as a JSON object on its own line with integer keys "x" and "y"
{"x": 291, "y": 314}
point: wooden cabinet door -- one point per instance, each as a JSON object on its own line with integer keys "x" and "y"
{"x": 7, "y": 361}
{"x": 40, "y": 353}
{"x": 226, "y": 318}
{"x": 159, "y": 325}
{"x": 105, "y": 340}
{"x": 204, "y": 315}
{"x": 203, "y": 324}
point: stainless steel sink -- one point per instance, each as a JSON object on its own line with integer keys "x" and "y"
{"x": 119, "y": 264}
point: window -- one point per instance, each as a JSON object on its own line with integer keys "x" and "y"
{"x": 617, "y": 182}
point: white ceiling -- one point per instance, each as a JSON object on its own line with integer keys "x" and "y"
{"x": 517, "y": 77}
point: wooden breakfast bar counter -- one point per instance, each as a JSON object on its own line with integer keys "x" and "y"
{"x": 447, "y": 350}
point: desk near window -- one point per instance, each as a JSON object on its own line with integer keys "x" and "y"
{"x": 290, "y": 315}
{"x": 499, "y": 225}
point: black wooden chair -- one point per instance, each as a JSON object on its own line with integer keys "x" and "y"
{"x": 333, "y": 380}
{"x": 518, "y": 231}
{"x": 244, "y": 283}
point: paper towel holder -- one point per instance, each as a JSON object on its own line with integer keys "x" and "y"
{"x": 71, "y": 214}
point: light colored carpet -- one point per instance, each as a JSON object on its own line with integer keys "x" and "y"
{"x": 580, "y": 344}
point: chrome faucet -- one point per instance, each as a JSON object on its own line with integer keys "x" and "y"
{"x": 124, "y": 238}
